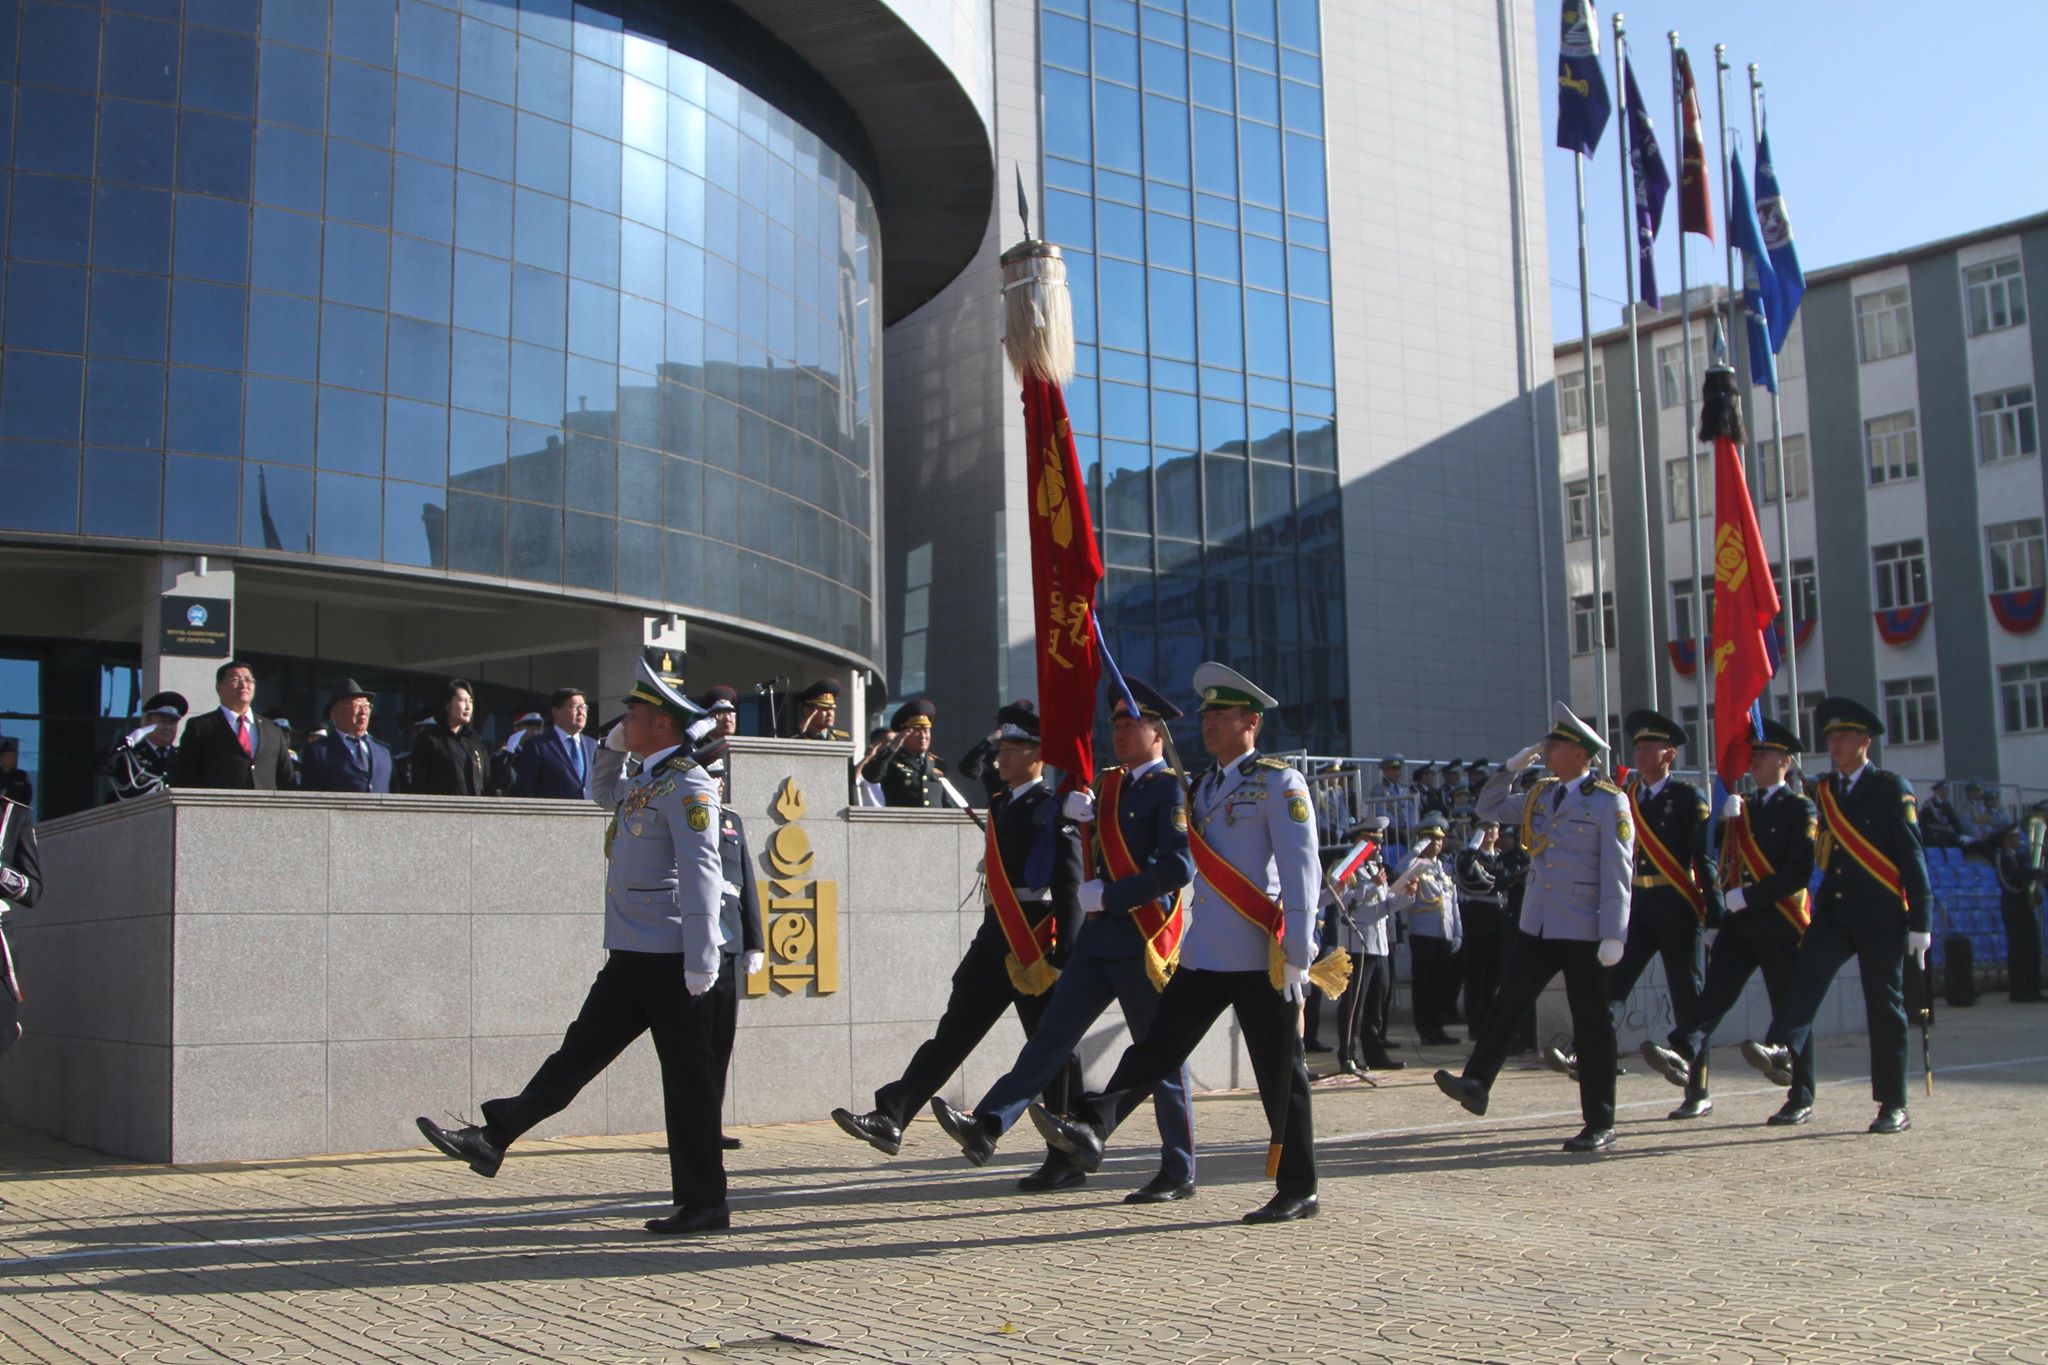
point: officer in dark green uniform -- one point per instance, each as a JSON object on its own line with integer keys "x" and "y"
{"x": 817, "y": 708}
{"x": 1873, "y": 906}
{"x": 907, "y": 772}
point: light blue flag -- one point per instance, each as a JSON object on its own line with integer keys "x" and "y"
{"x": 1782, "y": 304}
{"x": 1759, "y": 282}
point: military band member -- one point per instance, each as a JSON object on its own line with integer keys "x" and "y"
{"x": 1362, "y": 930}
{"x": 817, "y": 711}
{"x": 1575, "y": 912}
{"x": 1032, "y": 916}
{"x": 1873, "y": 905}
{"x": 1134, "y": 914}
{"x": 1249, "y": 943}
{"x": 1766, "y": 863}
{"x": 1435, "y": 931}
{"x": 21, "y": 883}
{"x": 662, "y": 911}
{"x": 907, "y": 771}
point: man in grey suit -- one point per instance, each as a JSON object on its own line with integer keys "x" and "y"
{"x": 1574, "y": 920}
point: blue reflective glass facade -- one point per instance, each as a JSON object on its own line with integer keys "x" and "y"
{"x": 520, "y": 291}
{"x": 1184, "y": 175}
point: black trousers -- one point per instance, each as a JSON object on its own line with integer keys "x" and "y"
{"x": 1532, "y": 962}
{"x": 982, "y": 990}
{"x": 1485, "y": 954}
{"x": 10, "y": 1019}
{"x": 725, "y": 1020}
{"x": 1363, "y": 1010}
{"x": 2022, "y": 946}
{"x": 1189, "y": 1006}
{"x": 1751, "y": 940}
{"x": 1662, "y": 925}
{"x": 637, "y": 993}
{"x": 1877, "y": 940}
{"x": 1436, "y": 984}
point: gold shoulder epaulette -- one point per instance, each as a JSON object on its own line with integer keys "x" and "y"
{"x": 1602, "y": 784}
{"x": 1264, "y": 762}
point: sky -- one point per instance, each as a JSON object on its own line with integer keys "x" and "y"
{"x": 1892, "y": 124}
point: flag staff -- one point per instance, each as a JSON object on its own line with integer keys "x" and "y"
{"x": 1684, "y": 126}
{"x": 1592, "y": 450}
{"x": 1631, "y": 244}
{"x": 1789, "y": 653}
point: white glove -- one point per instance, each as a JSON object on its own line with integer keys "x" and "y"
{"x": 1735, "y": 899}
{"x": 1295, "y": 987}
{"x": 1079, "y": 806}
{"x": 1610, "y": 951}
{"x": 1711, "y": 935}
{"x": 615, "y": 738}
{"x": 753, "y": 962}
{"x": 1732, "y": 807}
{"x": 1090, "y": 896}
{"x": 1523, "y": 758}
{"x": 1917, "y": 946}
{"x": 699, "y": 982}
{"x": 700, "y": 728}
{"x": 136, "y": 736}
{"x": 13, "y": 885}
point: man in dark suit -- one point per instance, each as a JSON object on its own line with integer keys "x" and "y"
{"x": 233, "y": 747}
{"x": 556, "y": 762}
{"x": 346, "y": 758}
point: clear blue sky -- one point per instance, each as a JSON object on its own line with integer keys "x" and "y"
{"x": 1891, "y": 124}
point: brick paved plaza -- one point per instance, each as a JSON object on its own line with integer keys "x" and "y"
{"x": 1443, "y": 1238}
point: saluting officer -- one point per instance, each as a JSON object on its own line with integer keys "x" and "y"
{"x": 817, "y": 710}
{"x": 1032, "y": 871}
{"x": 1250, "y": 940}
{"x": 907, "y": 772}
{"x": 1766, "y": 864}
{"x": 1872, "y": 906}
{"x": 1134, "y": 915}
{"x": 1575, "y": 911}
{"x": 662, "y": 932}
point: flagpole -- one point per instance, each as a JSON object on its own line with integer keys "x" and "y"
{"x": 1592, "y": 449}
{"x": 1692, "y": 442}
{"x": 1789, "y": 655}
{"x": 1631, "y": 244}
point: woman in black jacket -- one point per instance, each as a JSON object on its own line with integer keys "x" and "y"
{"x": 449, "y": 758}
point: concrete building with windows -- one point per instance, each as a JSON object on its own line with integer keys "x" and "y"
{"x": 1915, "y": 496}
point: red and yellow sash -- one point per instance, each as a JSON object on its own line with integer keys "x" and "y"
{"x": 1031, "y": 971}
{"x": 1240, "y": 894}
{"x": 1665, "y": 860}
{"x": 1161, "y": 928}
{"x": 1867, "y": 855}
{"x": 1748, "y": 860}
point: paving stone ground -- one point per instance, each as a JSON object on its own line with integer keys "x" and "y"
{"x": 1443, "y": 1238}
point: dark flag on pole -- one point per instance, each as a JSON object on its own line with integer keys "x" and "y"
{"x": 1789, "y": 281}
{"x": 1758, "y": 284}
{"x": 1695, "y": 191}
{"x": 1651, "y": 181}
{"x": 1582, "y": 101}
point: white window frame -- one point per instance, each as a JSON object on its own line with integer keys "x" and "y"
{"x": 1891, "y": 448}
{"x": 2023, "y": 697}
{"x": 1792, "y": 360}
{"x": 1571, "y": 400}
{"x": 1798, "y": 470}
{"x": 1901, "y": 573}
{"x": 2007, "y": 428}
{"x": 1809, "y": 704}
{"x": 1912, "y": 711}
{"x": 1582, "y": 622}
{"x": 1678, "y": 489}
{"x": 1671, "y": 375}
{"x": 2018, "y": 554}
{"x": 1682, "y": 627}
{"x": 1994, "y": 296}
{"x": 1884, "y": 324}
{"x": 1805, "y": 591}
{"x": 1576, "y": 495}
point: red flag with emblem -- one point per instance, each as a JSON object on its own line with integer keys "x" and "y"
{"x": 1065, "y": 567}
{"x": 1695, "y": 193}
{"x": 1745, "y": 604}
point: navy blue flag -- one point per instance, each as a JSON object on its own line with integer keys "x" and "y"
{"x": 1582, "y": 102}
{"x": 1651, "y": 181}
{"x": 1759, "y": 283}
{"x": 1790, "y": 280}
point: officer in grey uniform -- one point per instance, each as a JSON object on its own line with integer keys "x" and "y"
{"x": 663, "y": 890}
{"x": 1359, "y": 925}
{"x": 1574, "y": 919}
{"x": 1252, "y": 830}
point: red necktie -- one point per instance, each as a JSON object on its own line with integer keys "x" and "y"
{"x": 248, "y": 740}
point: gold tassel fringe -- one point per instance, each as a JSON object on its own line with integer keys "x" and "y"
{"x": 1036, "y": 979}
{"x": 1331, "y": 973}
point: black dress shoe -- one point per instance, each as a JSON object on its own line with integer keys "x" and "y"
{"x": 1695, "y": 1107}
{"x": 465, "y": 1144}
{"x": 1316, "y": 1045}
{"x": 1774, "y": 1061}
{"x": 1469, "y": 1093}
{"x": 685, "y": 1221}
{"x": 1077, "y": 1139}
{"x": 728, "y": 1144}
{"x": 1284, "y": 1208}
{"x": 1160, "y": 1190}
{"x": 1058, "y": 1173}
{"x": 1590, "y": 1140}
{"x": 1667, "y": 1063}
{"x": 1562, "y": 1062}
{"x": 1791, "y": 1115}
{"x": 1891, "y": 1119}
{"x": 1386, "y": 1064}
{"x": 873, "y": 1128}
{"x": 976, "y": 1143}
{"x": 1438, "y": 1040}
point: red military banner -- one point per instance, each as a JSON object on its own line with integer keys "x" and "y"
{"x": 1065, "y": 567}
{"x": 1745, "y": 605}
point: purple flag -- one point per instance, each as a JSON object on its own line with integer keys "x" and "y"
{"x": 1651, "y": 181}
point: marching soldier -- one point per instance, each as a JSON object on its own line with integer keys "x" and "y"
{"x": 1134, "y": 915}
{"x": 817, "y": 710}
{"x": 21, "y": 883}
{"x": 1873, "y": 906}
{"x": 907, "y": 772}
{"x": 1481, "y": 898}
{"x": 1766, "y": 868}
{"x": 664, "y": 955}
{"x": 1575, "y": 910}
{"x": 1250, "y": 940}
{"x": 1032, "y": 871}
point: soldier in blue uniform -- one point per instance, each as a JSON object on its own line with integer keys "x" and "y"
{"x": 1574, "y": 919}
{"x": 1872, "y": 906}
{"x": 1040, "y": 856}
{"x": 1767, "y": 861}
{"x": 739, "y": 906}
{"x": 662, "y": 932}
{"x": 907, "y": 771}
{"x": 1250, "y": 939}
{"x": 1112, "y": 959}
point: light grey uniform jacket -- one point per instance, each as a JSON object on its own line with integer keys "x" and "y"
{"x": 1582, "y": 854}
{"x": 664, "y": 882}
{"x": 1431, "y": 899}
{"x": 1257, "y": 815}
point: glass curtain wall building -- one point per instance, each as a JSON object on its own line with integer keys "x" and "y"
{"x": 1185, "y": 181}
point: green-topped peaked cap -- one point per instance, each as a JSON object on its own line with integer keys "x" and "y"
{"x": 1654, "y": 726}
{"x": 1568, "y": 727}
{"x": 1777, "y": 737}
{"x": 659, "y": 682}
{"x": 1841, "y": 713}
{"x": 1221, "y": 685}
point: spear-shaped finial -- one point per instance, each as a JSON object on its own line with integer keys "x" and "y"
{"x": 1024, "y": 205}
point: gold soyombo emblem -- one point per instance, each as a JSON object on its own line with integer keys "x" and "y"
{"x": 803, "y": 911}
